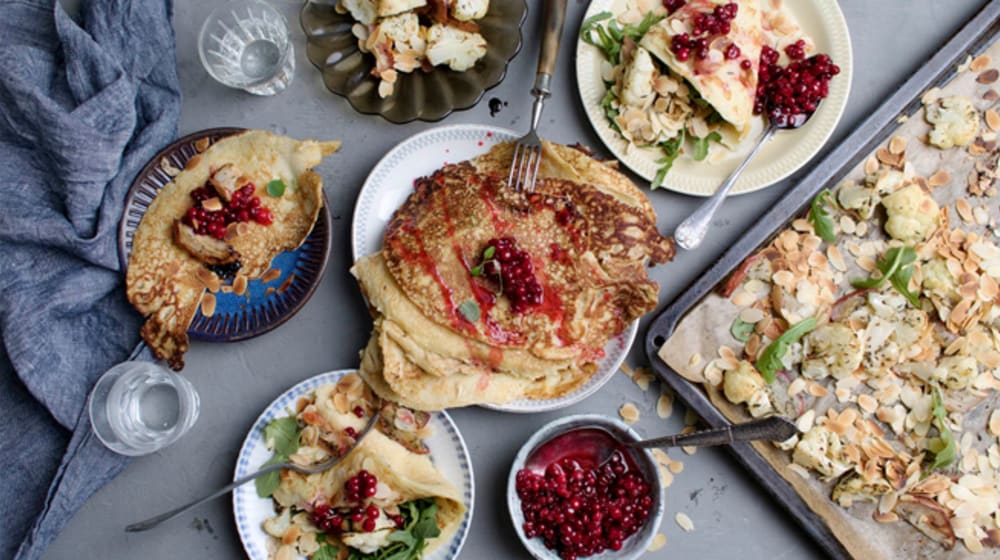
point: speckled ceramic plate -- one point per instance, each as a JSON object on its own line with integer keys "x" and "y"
{"x": 391, "y": 181}
{"x": 264, "y": 306}
{"x": 427, "y": 96}
{"x": 448, "y": 453}
{"x": 783, "y": 155}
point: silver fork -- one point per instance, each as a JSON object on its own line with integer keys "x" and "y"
{"x": 310, "y": 469}
{"x": 528, "y": 148}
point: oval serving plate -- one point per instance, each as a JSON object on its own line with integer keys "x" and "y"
{"x": 783, "y": 155}
{"x": 264, "y": 306}
{"x": 448, "y": 452}
{"x": 427, "y": 96}
{"x": 391, "y": 181}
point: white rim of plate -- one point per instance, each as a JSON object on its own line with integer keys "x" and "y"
{"x": 368, "y": 226}
{"x": 252, "y": 535}
{"x": 781, "y": 157}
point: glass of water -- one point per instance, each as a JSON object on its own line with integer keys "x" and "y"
{"x": 137, "y": 407}
{"x": 245, "y": 44}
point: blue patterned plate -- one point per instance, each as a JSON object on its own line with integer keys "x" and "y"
{"x": 448, "y": 452}
{"x": 264, "y": 306}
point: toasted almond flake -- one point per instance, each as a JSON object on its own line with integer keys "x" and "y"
{"x": 627, "y": 370}
{"x": 862, "y": 229}
{"x": 743, "y": 299}
{"x": 836, "y": 259}
{"x": 888, "y": 517}
{"x": 642, "y": 380}
{"x": 666, "y": 477}
{"x": 684, "y": 522}
{"x": 212, "y": 204}
{"x": 980, "y": 63}
{"x": 665, "y": 405}
{"x": 817, "y": 390}
{"x": 847, "y": 225}
{"x": 989, "y": 76}
{"x": 751, "y": 315}
{"x": 995, "y": 423}
{"x": 208, "y": 305}
{"x": 694, "y": 360}
{"x": 806, "y": 421}
{"x": 992, "y": 119}
{"x": 202, "y": 144}
{"x": 939, "y": 178}
{"x": 208, "y": 279}
{"x": 270, "y": 275}
{"x": 867, "y": 403}
{"x": 867, "y": 264}
{"x": 871, "y": 166}
{"x": 796, "y": 386}
{"x": 240, "y": 285}
{"x": 659, "y": 541}
{"x": 269, "y": 291}
{"x": 964, "y": 210}
{"x": 897, "y": 145}
{"x": 676, "y": 467}
{"x": 980, "y": 216}
{"x": 629, "y": 413}
{"x": 193, "y": 162}
{"x": 341, "y": 403}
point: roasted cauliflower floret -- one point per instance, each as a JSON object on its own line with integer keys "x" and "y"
{"x": 913, "y": 214}
{"x": 369, "y": 542}
{"x": 955, "y": 121}
{"x": 956, "y": 372}
{"x": 637, "y": 86}
{"x": 820, "y": 449}
{"x": 742, "y": 383}
{"x": 467, "y": 10}
{"x": 938, "y": 282}
{"x": 392, "y": 7}
{"x": 854, "y": 487}
{"x": 864, "y": 198}
{"x": 397, "y": 42}
{"x": 364, "y": 11}
{"x": 832, "y": 349}
{"x": 458, "y": 49}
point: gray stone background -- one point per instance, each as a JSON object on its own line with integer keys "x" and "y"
{"x": 733, "y": 518}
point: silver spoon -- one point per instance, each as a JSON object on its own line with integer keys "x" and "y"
{"x": 311, "y": 469}
{"x": 691, "y": 232}
{"x": 598, "y": 443}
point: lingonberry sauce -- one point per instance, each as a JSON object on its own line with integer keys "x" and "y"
{"x": 243, "y": 207}
{"x": 789, "y": 94}
{"x": 361, "y": 517}
{"x": 706, "y": 27}
{"x": 511, "y": 268}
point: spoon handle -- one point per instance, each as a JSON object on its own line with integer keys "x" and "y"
{"x": 690, "y": 233}
{"x": 772, "y": 428}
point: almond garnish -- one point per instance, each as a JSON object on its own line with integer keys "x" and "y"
{"x": 989, "y": 76}
{"x": 980, "y": 63}
{"x": 629, "y": 413}
{"x": 208, "y": 305}
{"x": 665, "y": 405}
{"x": 202, "y": 144}
{"x": 240, "y": 285}
{"x": 270, "y": 275}
{"x": 659, "y": 541}
{"x": 897, "y": 145}
{"x": 208, "y": 279}
{"x": 212, "y": 204}
{"x": 684, "y": 522}
{"x": 939, "y": 178}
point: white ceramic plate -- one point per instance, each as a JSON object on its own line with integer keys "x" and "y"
{"x": 448, "y": 452}
{"x": 783, "y": 155}
{"x": 391, "y": 181}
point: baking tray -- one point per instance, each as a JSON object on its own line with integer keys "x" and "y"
{"x": 978, "y": 33}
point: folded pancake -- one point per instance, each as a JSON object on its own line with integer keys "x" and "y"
{"x": 723, "y": 83}
{"x": 165, "y": 280}
{"x": 447, "y": 335}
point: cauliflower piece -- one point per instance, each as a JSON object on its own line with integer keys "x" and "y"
{"x": 911, "y": 326}
{"x": 913, "y": 215}
{"x": 864, "y": 198}
{"x": 460, "y": 50}
{"x": 637, "y": 85}
{"x": 467, "y": 10}
{"x": 820, "y": 449}
{"x": 955, "y": 121}
{"x": 388, "y": 8}
{"x": 831, "y": 349}
{"x": 956, "y": 372}
{"x": 369, "y": 542}
{"x": 742, "y": 383}
{"x": 277, "y": 526}
{"x": 938, "y": 282}
{"x": 397, "y": 42}
{"x": 855, "y": 488}
{"x": 364, "y": 11}
{"x": 759, "y": 404}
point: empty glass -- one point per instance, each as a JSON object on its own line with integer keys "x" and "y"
{"x": 137, "y": 407}
{"x": 245, "y": 44}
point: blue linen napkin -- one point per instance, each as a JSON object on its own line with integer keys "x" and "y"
{"x": 83, "y": 106}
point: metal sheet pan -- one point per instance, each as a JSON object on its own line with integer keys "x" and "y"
{"x": 981, "y": 31}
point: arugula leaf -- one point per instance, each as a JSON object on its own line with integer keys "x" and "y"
{"x": 701, "y": 145}
{"x": 609, "y": 110}
{"x": 672, "y": 150}
{"x": 946, "y": 455}
{"x": 820, "y": 218}
{"x": 267, "y": 484}
{"x": 325, "y": 552}
{"x": 636, "y": 31}
{"x": 770, "y": 359}
{"x": 741, "y": 330}
{"x": 901, "y": 281}
{"x": 419, "y": 524}
{"x": 895, "y": 266}
{"x": 282, "y": 435}
{"x": 470, "y": 310}
{"x": 276, "y": 188}
{"x": 426, "y": 527}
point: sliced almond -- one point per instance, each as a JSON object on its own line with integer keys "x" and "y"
{"x": 270, "y": 275}
{"x": 964, "y": 210}
{"x": 897, "y": 145}
{"x": 989, "y": 76}
{"x": 871, "y": 165}
{"x": 240, "y": 285}
{"x": 665, "y": 405}
{"x": 193, "y": 162}
{"x": 629, "y": 413}
{"x": 212, "y": 204}
{"x": 208, "y": 305}
{"x": 994, "y": 424}
{"x": 684, "y": 522}
{"x": 659, "y": 541}
{"x": 992, "y": 119}
{"x": 208, "y": 279}
{"x": 939, "y": 178}
{"x": 980, "y": 63}
{"x": 202, "y": 144}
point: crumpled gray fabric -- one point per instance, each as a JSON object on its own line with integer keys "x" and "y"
{"x": 84, "y": 103}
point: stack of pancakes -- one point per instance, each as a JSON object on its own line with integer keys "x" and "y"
{"x": 445, "y": 336}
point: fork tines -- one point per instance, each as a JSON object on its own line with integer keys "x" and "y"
{"x": 524, "y": 166}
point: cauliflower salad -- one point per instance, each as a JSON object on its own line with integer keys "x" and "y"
{"x": 874, "y": 321}
{"x": 407, "y": 35}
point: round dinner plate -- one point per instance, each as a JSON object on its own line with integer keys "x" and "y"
{"x": 783, "y": 155}
{"x": 391, "y": 182}
{"x": 264, "y": 306}
{"x": 448, "y": 453}
{"x": 428, "y": 96}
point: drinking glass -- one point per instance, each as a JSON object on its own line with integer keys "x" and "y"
{"x": 245, "y": 44}
{"x": 138, "y": 407}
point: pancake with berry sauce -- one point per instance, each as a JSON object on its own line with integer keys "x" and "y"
{"x": 484, "y": 294}
{"x": 385, "y": 486}
{"x": 236, "y": 206}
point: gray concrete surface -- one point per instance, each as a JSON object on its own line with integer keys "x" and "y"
{"x": 733, "y": 518}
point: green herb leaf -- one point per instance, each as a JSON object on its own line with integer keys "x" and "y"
{"x": 636, "y": 31}
{"x": 769, "y": 361}
{"x": 325, "y": 552}
{"x": 267, "y": 484}
{"x": 276, "y": 188}
{"x": 701, "y": 145}
{"x": 741, "y": 330}
{"x": 947, "y": 454}
{"x": 671, "y": 150}
{"x": 476, "y": 270}
{"x": 489, "y": 252}
{"x": 282, "y": 435}
{"x": 820, "y": 218}
{"x": 901, "y": 281}
{"x": 426, "y": 527}
{"x": 470, "y": 310}
{"x": 895, "y": 266}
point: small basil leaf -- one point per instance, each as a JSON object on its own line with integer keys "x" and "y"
{"x": 489, "y": 252}
{"x": 267, "y": 484}
{"x": 282, "y": 435}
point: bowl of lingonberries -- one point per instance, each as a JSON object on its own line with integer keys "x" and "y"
{"x": 575, "y": 491}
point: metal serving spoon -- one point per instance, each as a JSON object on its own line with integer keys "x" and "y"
{"x": 311, "y": 469}
{"x": 597, "y": 443}
{"x": 691, "y": 232}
